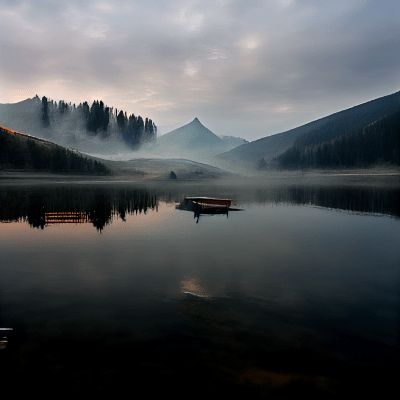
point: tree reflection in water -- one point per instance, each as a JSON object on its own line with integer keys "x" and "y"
{"x": 42, "y": 206}
{"x": 54, "y": 205}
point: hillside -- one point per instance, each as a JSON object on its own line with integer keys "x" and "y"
{"x": 250, "y": 155}
{"x": 19, "y": 151}
{"x": 26, "y": 156}
{"x": 376, "y": 143}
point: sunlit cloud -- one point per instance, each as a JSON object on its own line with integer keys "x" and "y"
{"x": 250, "y": 42}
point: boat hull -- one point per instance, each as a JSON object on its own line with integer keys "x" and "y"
{"x": 207, "y": 201}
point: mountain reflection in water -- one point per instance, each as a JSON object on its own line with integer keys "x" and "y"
{"x": 43, "y": 206}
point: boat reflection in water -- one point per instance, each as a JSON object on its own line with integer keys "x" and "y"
{"x": 206, "y": 206}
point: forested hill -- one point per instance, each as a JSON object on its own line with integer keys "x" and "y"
{"x": 261, "y": 153}
{"x": 378, "y": 142}
{"x": 19, "y": 151}
{"x": 83, "y": 127}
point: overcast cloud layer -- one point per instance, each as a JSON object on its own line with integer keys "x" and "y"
{"x": 247, "y": 68}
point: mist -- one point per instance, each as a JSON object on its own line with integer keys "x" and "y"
{"x": 68, "y": 129}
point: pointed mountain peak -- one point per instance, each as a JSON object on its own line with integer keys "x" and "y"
{"x": 191, "y": 136}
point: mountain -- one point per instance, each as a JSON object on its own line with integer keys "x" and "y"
{"x": 263, "y": 151}
{"x": 193, "y": 141}
{"x": 24, "y": 116}
{"x": 191, "y": 136}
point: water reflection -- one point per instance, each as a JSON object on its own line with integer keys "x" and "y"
{"x": 44, "y": 206}
{"x": 356, "y": 199}
{"x": 193, "y": 287}
{"x": 274, "y": 298}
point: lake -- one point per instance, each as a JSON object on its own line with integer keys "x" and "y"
{"x": 115, "y": 286}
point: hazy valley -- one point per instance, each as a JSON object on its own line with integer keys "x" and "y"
{"x": 360, "y": 137}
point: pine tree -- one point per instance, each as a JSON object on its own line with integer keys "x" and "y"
{"x": 45, "y": 112}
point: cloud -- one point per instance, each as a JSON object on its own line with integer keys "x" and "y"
{"x": 250, "y": 42}
{"x": 191, "y": 22}
{"x": 248, "y": 67}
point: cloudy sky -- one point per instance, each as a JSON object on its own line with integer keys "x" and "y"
{"x": 248, "y": 68}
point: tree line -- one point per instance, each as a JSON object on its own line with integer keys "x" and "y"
{"x": 97, "y": 118}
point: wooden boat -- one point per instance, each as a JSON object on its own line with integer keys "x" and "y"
{"x": 206, "y": 206}
{"x": 210, "y": 201}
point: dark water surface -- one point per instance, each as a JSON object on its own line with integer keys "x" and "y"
{"x": 109, "y": 287}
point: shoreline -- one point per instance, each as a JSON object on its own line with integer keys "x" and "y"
{"x": 375, "y": 176}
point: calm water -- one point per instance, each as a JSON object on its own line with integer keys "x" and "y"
{"x": 107, "y": 287}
